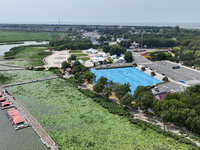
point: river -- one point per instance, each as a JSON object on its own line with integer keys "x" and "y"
{"x": 23, "y": 139}
{"x": 6, "y": 48}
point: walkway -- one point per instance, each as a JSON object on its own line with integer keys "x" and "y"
{"x": 12, "y": 69}
{"x": 20, "y": 83}
{"x": 34, "y": 124}
{"x": 13, "y": 66}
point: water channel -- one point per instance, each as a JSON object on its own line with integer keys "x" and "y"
{"x": 23, "y": 139}
{"x": 6, "y": 48}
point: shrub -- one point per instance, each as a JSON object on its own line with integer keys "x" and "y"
{"x": 153, "y": 73}
{"x": 194, "y": 137}
{"x": 143, "y": 69}
{"x": 40, "y": 69}
{"x": 165, "y": 79}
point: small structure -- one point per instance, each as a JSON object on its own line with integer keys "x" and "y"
{"x": 73, "y": 61}
{"x": 161, "y": 95}
{"x": 92, "y": 51}
{"x": 69, "y": 70}
{"x": 116, "y": 60}
{"x": 50, "y": 49}
{"x": 113, "y": 56}
{"x": 134, "y": 45}
{"x": 81, "y": 61}
{"x": 0, "y": 95}
{"x": 121, "y": 59}
{"x": 66, "y": 49}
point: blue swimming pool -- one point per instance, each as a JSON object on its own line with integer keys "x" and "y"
{"x": 124, "y": 75}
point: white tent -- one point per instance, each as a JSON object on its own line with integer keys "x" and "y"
{"x": 104, "y": 54}
{"x": 101, "y": 59}
{"x": 99, "y": 54}
{"x": 116, "y": 60}
{"x": 113, "y": 56}
{"x": 91, "y": 50}
{"x": 81, "y": 61}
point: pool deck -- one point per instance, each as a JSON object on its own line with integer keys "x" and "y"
{"x": 44, "y": 137}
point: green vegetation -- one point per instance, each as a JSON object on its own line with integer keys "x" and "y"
{"x": 10, "y": 43}
{"x": 152, "y": 120}
{"x": 34, "y": 53}
{"x": 128, "y": 56}
{"x": 183, "y": 108}
{"x": 75, "y": 51}
{"x": 83, "y": 58}
{"x": 143, "y": 68}
{"x": 8, "y": 36}
{"x": 195, "y": 138}
{"x": 71, "y": 44}
{"x": 80, "y": 55}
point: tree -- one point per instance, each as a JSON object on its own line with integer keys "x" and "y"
{"x": 72, "y": 57}
{"x": 127, "y": 99}
{"x": 121, "y": 89}
{"x": 77, "y": 75}
{"x": 80, "y": 80}
{"x": 153, "y": 73}
{"x": 165, "y": 116}
{"x": 76, "y": 69}
{"x": 143, "y": 69}
{"x": 107, "y": 91}
{"x": 65, "y": 65}
{"x": 128, "y": 56}
{"x": 176, "y": 28}
{"x": 106, "y": 49}
{"x": 117, "y": 50}
{"x": 76, "y": 63}
{"x": 102, "y": 39}
{"x": 89, "y": 76}
{"x": 103, "y": 80}
{"x": 98, "y": 88}
{"x": 165, "y": 79}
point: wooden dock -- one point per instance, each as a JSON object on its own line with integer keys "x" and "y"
{"x": 44, "y": 137}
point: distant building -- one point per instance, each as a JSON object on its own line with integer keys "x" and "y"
{"x": 134, "y": 45}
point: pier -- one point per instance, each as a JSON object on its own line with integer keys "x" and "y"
{"x": 44, "y": 137}
{"x": 32, "y": 81}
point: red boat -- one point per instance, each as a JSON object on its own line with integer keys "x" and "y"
{"x": 17, "y": 119}
{"x": 6, "y": 104}
{"x": 2, "y": 99}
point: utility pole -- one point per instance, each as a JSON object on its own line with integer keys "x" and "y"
{"x": 142, "y": 40}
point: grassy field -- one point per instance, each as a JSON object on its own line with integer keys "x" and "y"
{"x": 74, "y": 121}
{"x": 76, "y": 51}
{"x": 83, "y": 58}
{"x": 80, "y": 55}
{"x": 8, "y": 36}
{"x": 30, "y": 53}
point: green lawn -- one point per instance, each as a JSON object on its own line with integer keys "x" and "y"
{"x": 76, "y": 51}
{"x": 83, "y": 58}
{"x": 8, "y": 36}
{"x": 80, "y": 55}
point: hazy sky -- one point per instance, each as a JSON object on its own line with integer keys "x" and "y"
{"x": 98, "y": 11}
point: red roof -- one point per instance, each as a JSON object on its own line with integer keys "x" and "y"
{"x": 5, "y": 103}
{"x": 2, "y": 99}
{"x": 69, "y": 69}
{"x": 16, "y": 117}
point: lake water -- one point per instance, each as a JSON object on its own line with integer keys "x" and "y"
{"x": 124, "y": 75}
{"x": 6, "y": 48}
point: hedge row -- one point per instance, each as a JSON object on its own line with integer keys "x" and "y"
{"x": 87, "y": 92}
{"x": 40, "y": 69}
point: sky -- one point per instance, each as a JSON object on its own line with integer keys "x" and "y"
{"x": 99, "y": 11}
